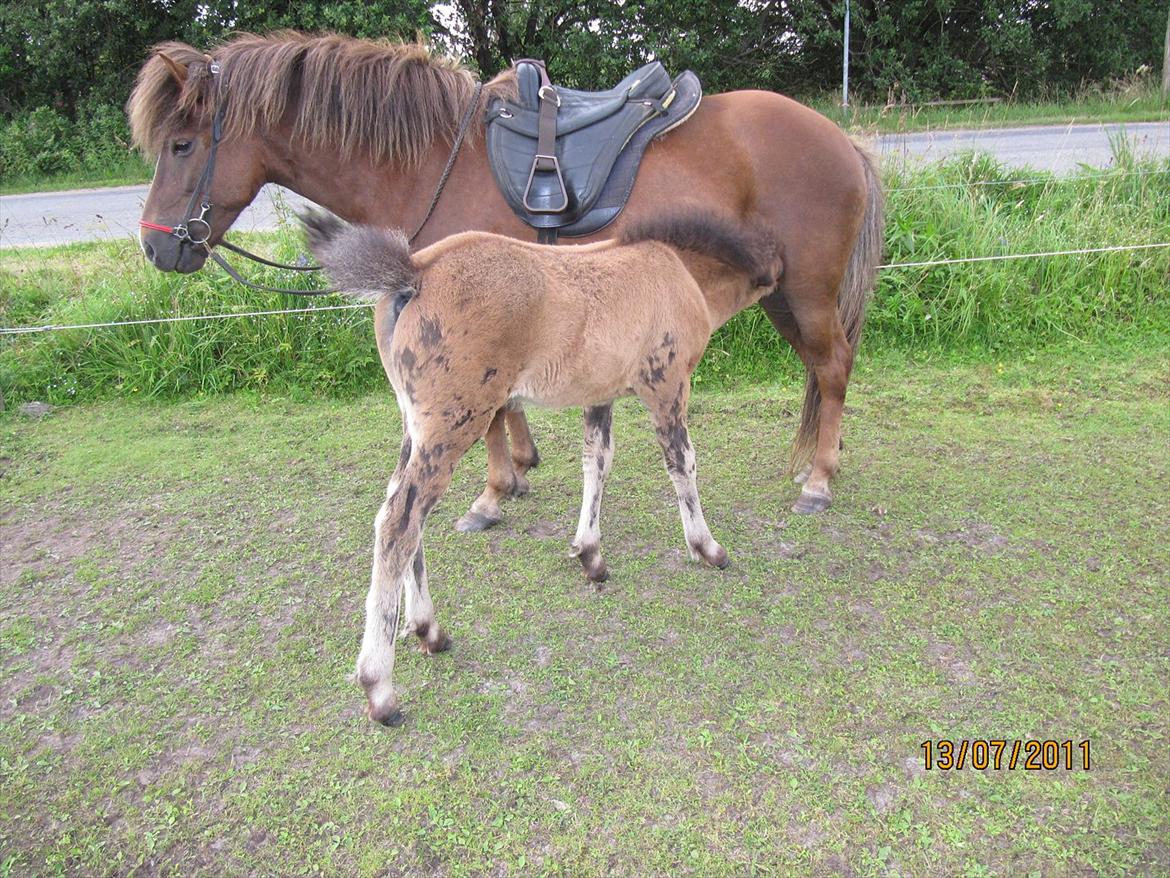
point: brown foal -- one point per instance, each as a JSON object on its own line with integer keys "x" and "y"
{"x": 477, "y": 320}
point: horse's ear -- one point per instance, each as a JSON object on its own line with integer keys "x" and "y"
{"x": 179, "y": 71}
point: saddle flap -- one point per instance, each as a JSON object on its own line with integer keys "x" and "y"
{"x": 592, "y": 129}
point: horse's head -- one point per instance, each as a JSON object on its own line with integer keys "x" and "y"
{"x": 204, "y": 176}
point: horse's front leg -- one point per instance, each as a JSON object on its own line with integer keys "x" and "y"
{"x": 596, "y": 459}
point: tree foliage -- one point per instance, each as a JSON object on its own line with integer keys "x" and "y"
{"x": 70, "y": 54}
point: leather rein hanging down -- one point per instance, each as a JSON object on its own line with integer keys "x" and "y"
{"x": 200, "y": 197}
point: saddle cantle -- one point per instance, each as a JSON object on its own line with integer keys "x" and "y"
{"x": 566, "y": 160}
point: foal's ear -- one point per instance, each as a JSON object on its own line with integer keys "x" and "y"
{"x": 179, "y": 71}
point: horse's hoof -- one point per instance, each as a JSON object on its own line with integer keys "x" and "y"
{"x": 810, "y": 503}
{"x": 719, "y": 560}
{"x": 473, "y": 522}
{"x": 520, "y": 487}
{"x": 433, "y": 645}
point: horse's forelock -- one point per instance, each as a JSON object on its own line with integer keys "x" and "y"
{"x": 159, "y": 102}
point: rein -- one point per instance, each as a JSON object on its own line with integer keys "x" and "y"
{"x": 201, "y": 195}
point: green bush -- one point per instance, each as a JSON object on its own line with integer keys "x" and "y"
{"x": 44, "y": 143}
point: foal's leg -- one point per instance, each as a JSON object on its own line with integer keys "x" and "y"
{"x": 596, "y": 460}
{"x": 667, "y": 402}
{"x": 416, "y": 487}
{"x": 420, "y": 612}
{"x": 501, "y": 482}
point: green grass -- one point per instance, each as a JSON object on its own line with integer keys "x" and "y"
{"x": 980, "y": 309}
{"x": 182, "y": 591}
{"x": 133, "y": 170}
{"x": 1141, "y": 103}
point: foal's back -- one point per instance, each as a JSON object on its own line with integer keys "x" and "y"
{"x": 567, "y": 325}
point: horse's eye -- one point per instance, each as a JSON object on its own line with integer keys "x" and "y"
{"x": 181, "y": 147}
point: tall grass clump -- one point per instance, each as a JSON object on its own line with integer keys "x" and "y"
{"x": 328, "y": 353}
{"x": 965, "y": 207}
{"x": 972, "y": 206}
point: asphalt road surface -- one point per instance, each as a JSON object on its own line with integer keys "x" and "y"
{"x": 91, "y": 214}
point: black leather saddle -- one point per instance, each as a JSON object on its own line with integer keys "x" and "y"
{"x": 566, "y": 160}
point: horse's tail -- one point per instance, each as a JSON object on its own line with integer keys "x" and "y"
{"x": 750, "y": 249}
{"x": 364, "y": 262}
{"x": 852, "y": 297}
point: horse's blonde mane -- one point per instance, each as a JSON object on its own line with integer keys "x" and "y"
{"x": 388, "y": 100}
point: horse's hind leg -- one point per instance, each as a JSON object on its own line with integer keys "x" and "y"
{"x": 596, "y": 459}
{"x": 524, "y": 453}
{"x": 667, "y": 402}
{"x": 828, "y": 357}
{"x": 501, "y": 481}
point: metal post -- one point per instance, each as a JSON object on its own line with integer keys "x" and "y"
{"x": 845, "y": 62}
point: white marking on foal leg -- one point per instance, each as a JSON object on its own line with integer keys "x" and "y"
{"x": 375, "y": 663}
{"x": 596, "y": 460}
{"x": 420, "y": 611}
{"x": 670, "y": 425}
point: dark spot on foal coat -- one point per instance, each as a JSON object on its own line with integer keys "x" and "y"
{"x": 600, "y": 418}
{"x": 407, "y": 359}
{"x": 404, "y": 454}
{"x": 419, "y": 566}
{"x": 488, "y": 375}
{"x": 429, "y": 332}
{"x": 463, "y": 420}
{"x": 407, "y": 508}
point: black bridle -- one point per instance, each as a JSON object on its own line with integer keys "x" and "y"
{"x": 196, "y": 229}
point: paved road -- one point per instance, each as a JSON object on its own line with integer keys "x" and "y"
{"x": 91, "y": 214}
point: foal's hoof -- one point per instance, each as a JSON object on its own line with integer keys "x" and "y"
{"x": 520, "y": 486}
{"x": 473, "y": 522}
{"x": 391, "y": 720}
{"x": 812, "y": 502}
{"x": 719, "y": 559}
{"x": 591, "y": 562}
{"x": 434, "y": 642}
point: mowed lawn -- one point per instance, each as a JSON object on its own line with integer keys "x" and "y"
{"x": 181, "y": 599}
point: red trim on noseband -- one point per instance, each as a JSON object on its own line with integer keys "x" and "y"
{"x": 156, "y": 227}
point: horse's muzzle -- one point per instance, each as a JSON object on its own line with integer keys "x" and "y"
{"x": 168, "y": 253}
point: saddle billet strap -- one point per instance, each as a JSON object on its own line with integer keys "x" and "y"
{"x": 545, "y": 160}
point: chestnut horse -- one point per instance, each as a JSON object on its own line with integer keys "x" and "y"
{"x": 366, "y": 128}
{"x": 476, "y": 320}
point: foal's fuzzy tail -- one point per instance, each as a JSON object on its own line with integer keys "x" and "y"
{"x": 856, "y": 287}
{"x": 365, "y": 262}
{"x": 748, "y": 248}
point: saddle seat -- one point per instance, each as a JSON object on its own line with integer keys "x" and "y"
{"x": 566, "y": 160}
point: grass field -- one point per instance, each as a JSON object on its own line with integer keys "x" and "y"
{"x": 183, "y": 584}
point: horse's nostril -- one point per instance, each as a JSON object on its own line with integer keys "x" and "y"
{"x": 148, "y": 250}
